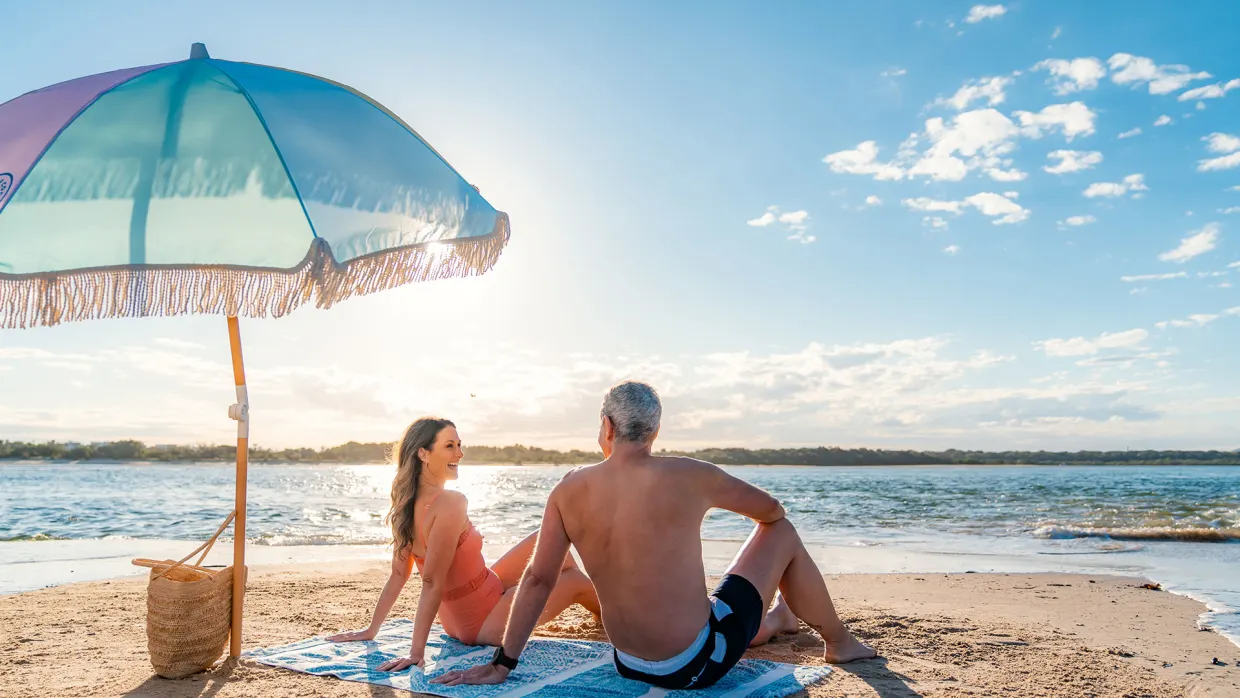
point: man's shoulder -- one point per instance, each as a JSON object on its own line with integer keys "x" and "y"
{"x": 576, "y": 477}
{"x": 685, "y": 464}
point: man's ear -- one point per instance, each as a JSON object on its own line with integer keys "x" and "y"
{"x": 609, "y": 428}
{"x": 655, "y": 435}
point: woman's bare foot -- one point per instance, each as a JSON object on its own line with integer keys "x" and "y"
{"x": 780, "y": 620}
{"x": 847, "y": 650}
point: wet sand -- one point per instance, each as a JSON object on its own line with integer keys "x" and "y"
{"x": 940, "y": 635}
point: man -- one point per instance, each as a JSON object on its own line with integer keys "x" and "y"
{"x": 636, "y": 519}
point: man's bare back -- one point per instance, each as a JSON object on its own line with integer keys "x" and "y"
{"x": 636, "y": 522}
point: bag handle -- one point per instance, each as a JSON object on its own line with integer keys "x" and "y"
{"x": 205, "y": 548}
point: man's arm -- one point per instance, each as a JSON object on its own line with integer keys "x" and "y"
{"x": 734, "y": 494}
{"x": 536, "y": 585}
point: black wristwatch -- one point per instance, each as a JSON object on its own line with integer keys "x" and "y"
{"x": 501, "y": 659}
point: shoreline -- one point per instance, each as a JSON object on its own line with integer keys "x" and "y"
{"x": 59, "y": 563}
{"x": 940, "y": 634}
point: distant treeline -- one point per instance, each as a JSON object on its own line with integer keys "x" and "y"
{"x": 354, "y": 452}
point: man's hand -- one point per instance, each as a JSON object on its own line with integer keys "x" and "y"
{"x": 352, "y": 636}
{"x": 484, "y": 674}
{"x": 401, "y": 664}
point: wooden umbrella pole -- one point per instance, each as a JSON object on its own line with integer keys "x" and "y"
{"x": 241, "y": 413}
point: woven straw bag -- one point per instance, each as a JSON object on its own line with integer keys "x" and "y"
{"x": 188, "y": 612}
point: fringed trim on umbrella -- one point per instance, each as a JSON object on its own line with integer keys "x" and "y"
{"x": 32, "y": 300}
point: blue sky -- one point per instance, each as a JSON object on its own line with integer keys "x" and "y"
{"x": 859, "y": 223}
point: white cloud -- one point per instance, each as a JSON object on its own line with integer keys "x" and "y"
{"x": 1232, "y": 311}
{"x": 1073, "y": 119}
{"x": 1195, "y": 320}
{"x": 863, "y": 160}
{"x": 1197, "y": 243}
{"x": 1055, "y": 34}
{"x": 1201, "y": 106}
{"x": 794, "y": 218}
{"x": 982, "y": 135}
{"x": 1130, "y": 133}
{"x": 1072, "y": 160}
{"x": 1127, "y": 69}
{"x": 1214, "y": 91}
{"x": 1162, "y": 120}
{"x": 978, "y": 13}
{"x": 1155, "y": 277}
{"x": 1230, "y": 209}
{"x": 893, "y": 72}
{"x": 1223, "y": 162}
{"x": 762, "y": 221}
{"x": 1001, "y": 208}
{"x": 1001, "y": 175}
{"x": 873, "y": 200}
{"x": 1222, "y": 143}
{"x": 1079, "y": 220}
{"x": 1234, "y": 265}
{"x": 937, "y": 222}
{"x": 951, "y": 250}
{"x": 1131, "y": 183}
{"x": 795, "y": 222}
{"x": 1080, "y": 346}
{"x": 989, "y": 89}
{"x": 1073, "y": 76}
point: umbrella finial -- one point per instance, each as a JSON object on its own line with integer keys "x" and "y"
{"x": 198, "y": 51}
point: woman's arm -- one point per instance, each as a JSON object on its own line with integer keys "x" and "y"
{"x": 402, "y": 567}
{"x": 447, "y": 520}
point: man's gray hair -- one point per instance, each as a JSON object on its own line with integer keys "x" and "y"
{"x": 634, "y": 410}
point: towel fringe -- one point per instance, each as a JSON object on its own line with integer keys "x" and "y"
{"x": 45, "y": 299}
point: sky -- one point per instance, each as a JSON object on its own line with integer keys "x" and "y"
{"x": 884, "y": 224}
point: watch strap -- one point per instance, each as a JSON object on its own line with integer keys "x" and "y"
{"x": 501, "y": 659}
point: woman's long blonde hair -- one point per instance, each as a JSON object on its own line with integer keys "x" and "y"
{"x": 421, "y": 434}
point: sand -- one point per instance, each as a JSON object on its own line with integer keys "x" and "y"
{"x": 940, "y": 635}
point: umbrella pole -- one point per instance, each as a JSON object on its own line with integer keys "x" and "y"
{"x": 241, "y": 413}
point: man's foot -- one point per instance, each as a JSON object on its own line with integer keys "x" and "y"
{"x": 780, "y": 620}
{"x": 847, "y": 650}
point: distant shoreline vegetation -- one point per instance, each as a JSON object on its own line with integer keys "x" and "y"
{"x": 361, "y": 453}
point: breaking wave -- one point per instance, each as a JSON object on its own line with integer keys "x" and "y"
{"x": 1158, "y": 533}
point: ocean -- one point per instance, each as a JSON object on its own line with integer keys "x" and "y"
{"x": 1179, "y": 526}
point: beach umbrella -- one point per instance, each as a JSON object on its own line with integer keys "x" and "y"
{"x": 213, "y": 186}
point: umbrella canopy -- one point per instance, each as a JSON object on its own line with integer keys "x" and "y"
{"x": 211, "y": 186}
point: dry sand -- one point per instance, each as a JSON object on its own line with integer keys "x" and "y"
{"x": 940, "y": 635}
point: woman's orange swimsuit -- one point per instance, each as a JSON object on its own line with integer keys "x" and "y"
{"x": 473, "y": 588}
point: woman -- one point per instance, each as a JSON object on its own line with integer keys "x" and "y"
{"x": 431, "y": 529}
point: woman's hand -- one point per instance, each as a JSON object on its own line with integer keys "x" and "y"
{"x": 353, "y": 636}
{"x": 402, "y": 663}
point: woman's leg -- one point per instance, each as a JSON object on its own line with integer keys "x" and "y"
{"x": 573, "y": 587}
{"x": 512, "y": 565}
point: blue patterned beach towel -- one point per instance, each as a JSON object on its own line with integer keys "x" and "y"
{"x": 548, "y": 668}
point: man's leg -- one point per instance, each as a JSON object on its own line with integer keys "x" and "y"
{"x": 773, "y": 558}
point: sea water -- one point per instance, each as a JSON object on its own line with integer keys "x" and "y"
{"x": 1177, "y": 525}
